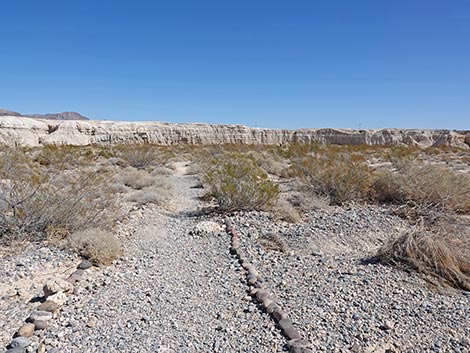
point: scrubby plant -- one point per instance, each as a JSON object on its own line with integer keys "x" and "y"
{"x": 159, "y": 193}
{"x": 336, "y": 175}
{"x": 426, "y": 186}
{"x": 135, "y": 178}
{"x": 34, "y": 199}
{"x": 139, "y": 156}
{"x": 99, "y": 246}
{"x": 442, "y": 256}
{"x": 237, "y": 183}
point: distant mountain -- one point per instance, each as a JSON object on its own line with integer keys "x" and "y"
{"x": 49, "y": 116}
{"x": 59, "y": 116}
{"x": 6, "y": 112}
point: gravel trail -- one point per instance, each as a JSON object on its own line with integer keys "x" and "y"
{"x": 175, "y": 291}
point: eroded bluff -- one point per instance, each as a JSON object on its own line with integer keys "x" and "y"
{"x": 24, "y": 131}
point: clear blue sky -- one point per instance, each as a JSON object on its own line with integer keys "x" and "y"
{"x": 282, "y": 64}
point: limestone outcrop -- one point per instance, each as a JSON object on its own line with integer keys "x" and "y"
{"x": 25, "y": 131}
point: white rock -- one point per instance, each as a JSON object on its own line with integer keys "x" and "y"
{"x": 35, "y": 132}
{"x": 59, "y": 298}
{"x": 207, "y": 227}
{"x": 56, "y": 285}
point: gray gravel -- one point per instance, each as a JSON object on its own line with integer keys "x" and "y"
{"x": 179, "y": 290}
{"x": 175, "y": 290}
{"x": 23, "y": 272}
{"x": 342, "y": 303}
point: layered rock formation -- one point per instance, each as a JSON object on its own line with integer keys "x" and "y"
{"x": 35, "y": 132}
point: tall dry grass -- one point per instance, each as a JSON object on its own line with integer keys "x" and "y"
{"x": 443, "y": 256}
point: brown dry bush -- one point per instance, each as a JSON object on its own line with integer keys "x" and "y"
{"x": 34, "y": 199}
{"x": 97, "y": 245}
{"x": 443, "y": 256}
{"x": 424, "y": 186}
{"x": 139, "y": 156}
{"x": 338, "y": 176}
{"x": 135, "y": 178}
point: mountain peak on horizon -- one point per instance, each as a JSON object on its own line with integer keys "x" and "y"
{"x": 49, "y": 116}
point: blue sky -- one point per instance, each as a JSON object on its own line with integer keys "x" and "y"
{"x": 281, "y": 64}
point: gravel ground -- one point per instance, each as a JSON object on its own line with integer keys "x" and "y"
{"x": 179, "y": 290}
{"x": 174, "y": 291}
{"x": 342, "y": 303}
{"x": 22, "y": 275}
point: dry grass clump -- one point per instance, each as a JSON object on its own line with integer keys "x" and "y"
{"x": 136, "y": 179}
{"x": 270, "y": 161}
{"x": 443, "y": 256}
{"x": 99, "y": 246}
{"x": 237, "y": 183}
{"x": 158, "y": 194}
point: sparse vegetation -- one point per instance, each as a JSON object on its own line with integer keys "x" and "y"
{"x": 34, "y": 199}
{"x": 136, "y": 179}
{"x": 442, "y": 256}
{"x": 237, "y": 183}
{"x": 97, "y": 245}
{"x": 337, "y": 176}
{"x": 139, "y": 156}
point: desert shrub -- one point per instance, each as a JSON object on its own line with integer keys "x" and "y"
{"x": 270, "y": 162}
{"x": 33, "y": 200}
{"x": 443, "y": 256}
{"x": 426, "y": 186}
{"x": 64, "y": 156}
{"x": 335, "y": 175}
{"x": 135, "y": 178}
{"x": 158, "y": 194}
{"x": 285, "y": 211}
{"x": 237, "y": 183}
{"x": 97, "y": 245}
{"x": 139, "y": 156}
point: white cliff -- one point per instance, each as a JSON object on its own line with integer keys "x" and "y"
{"x": 25, "y": 131}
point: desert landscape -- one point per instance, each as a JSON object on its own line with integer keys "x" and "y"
{"x": 159, "y": 237}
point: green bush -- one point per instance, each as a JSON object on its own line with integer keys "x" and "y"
{"x": 339, "y": 176}
{"x": 237, "y": 183}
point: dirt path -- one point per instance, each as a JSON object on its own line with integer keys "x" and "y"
{"x": 176, "y": 292}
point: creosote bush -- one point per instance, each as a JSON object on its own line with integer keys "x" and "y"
{"x": 443, "y": 256}
{"x": 337, "y": 176}
{"x": 139, "y": 156}
{"x": 97, "y": 245}
{"x": 135, "y": 178}
{"x": 237, "y": 183}
{"x": 35, "y": 199}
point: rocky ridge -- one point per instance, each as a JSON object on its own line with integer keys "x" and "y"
{"x": 48, "y": 116}
{"x": 16, "y": 130}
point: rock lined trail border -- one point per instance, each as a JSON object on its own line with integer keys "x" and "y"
{"x": 262, "y": 294}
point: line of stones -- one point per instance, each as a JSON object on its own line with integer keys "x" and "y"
{"x": 262, "y": 294}
{"x": 55, "y": 294}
